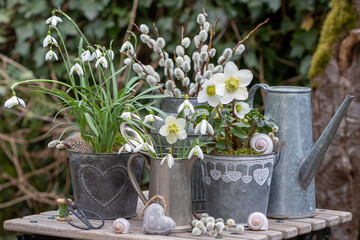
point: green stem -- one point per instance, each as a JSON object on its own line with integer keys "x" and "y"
{"x": 158, "y": 135}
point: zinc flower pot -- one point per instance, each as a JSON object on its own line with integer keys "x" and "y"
{"x": 237, "y": 185}
{"x": 101, "y": 184}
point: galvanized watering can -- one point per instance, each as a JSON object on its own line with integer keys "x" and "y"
{"x": 292, "y": 192}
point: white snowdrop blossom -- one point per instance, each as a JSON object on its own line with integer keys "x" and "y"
{"x": 151, "y": 118}
{"x": 202, "y": 126}
{"x": 86, "y": 56}
{"x": 77, "y": 68}
{"x": 101, "y": 61}
{"x": 53, "y": 20}
{"x": 50, "y": 54}
{"x": 241, "y": 109}
{"x": 148, "y": 147}
{"x": 128, "y": 115}
{"x": 49, "y": 40}
{"x": 187, "y": 107}
{"x": 126, "y": 147}
{"x": 208, "y": 94}
{"x": 14, "y": 101}
{"x": 170, "y": 160}
{"x": 127, "y": 46}
{"x": 232, "y": 83}
{"x": 110, "y": 53}
{"x": 173, "y": 129}
{"x": 196, "y": 151}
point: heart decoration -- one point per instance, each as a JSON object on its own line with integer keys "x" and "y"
{"x": 234, "y": 176}
{"x": 246, "y": 178}
{"x": 207, "y": 180}
{"x": 226, "y": 177}
{"x": 216, "y": 174}
{"x": 260, "y": 175}
{"x": 90, "y": 177}
{"x": 155, "y": 221}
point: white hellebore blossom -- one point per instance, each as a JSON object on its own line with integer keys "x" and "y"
{"x": 50, "y": 54}
{"x": 53, "y": 20}
{"x": 127, "y": 46}
{"x": 187, "y": 107}
{"x": 129, "y": 115}
{"x": 151, "y": 118}
{"x": 173, "y": 129}
{"x": 49, "y": 39}
{"x": 14, "y": 101}
{"x": 241, "y": 109}
{"x": 102, "y": 61}
{"x": 126, "y": 147}
{"x": 202, "y": 126}
{"x": 77, "y": 68}
{"x": 208, "y": 94}
{"x": 170, "y": 160}
{"x": 232, "y": 83}
{"x": 196, "y": 151}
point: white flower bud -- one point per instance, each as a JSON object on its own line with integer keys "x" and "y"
{"x": 144, "y": 29}
{"x": 187, "y": 58}
{"x": 168, "y": 92}
{"x": 208, "y": 74}
{"x": 219, "y": 226}
{"x": 271, "y": 135}
{"x": 185, "y": 82}
{"x": 179, "y": 50}
{"x": 240, "y": 228}
{"x": 196, "y": 231}
{"x": 179, "y": 73}
{"x": 276, "y": 140}
{"x": 53, "y": 143}
{"x": 200, "y": 63}
{"x": 179, "y": 61}
{"x": 226, "y": 228}
{"x": 185, "y": 42}
{"x": 275, "y": 129}
{"x": 166, "y": 55}
{"x": 201, "y": 19}
{"x": 218, "y": 69}
{"x": 206, "y": 26}
{"x": 210, "y": 219}
{"x": 137, "y": 68}
{"x": 210, "y": 226}
{"x": 204, "y": 56}
{"x": 149, "y": 69}
{"x": 170, "y": 85}
{"x": 195, "y": 56}
{"x": 177, "y": 93}
{"x": 211, "y": 66}
{"x": 204, "y": 48}
{"x": 192, "y": 91}
{"x": 193, "y": 222}
{"x": 156, "y": 76}
{"x": 240, "y": 49}
{"x": 142, "y": 75}
{"x": 169, "y": 63}
{"x": 197, "y": 41}
{"x": 160, "y": 42}
{"x": 230, "y": 222}
{"x": 157, "y": 49}
{"x": 161, "y": 62}
{"x": 203, "y": 35}
{"x": 227, "y": 53}
{"x": 144, "y": 38}
{"x": 127, "y": 61}
{"x": 203, "y": 230}
{"x": 168, "y": 71}
{"x": 221, "y": 59}
{"x": 60, "y": 146}
{"x": 212, "y": 52}
{"x": 151, "y": 80}
{"x": 151, "y": 43}
{"x": 213, "y": 233}
{"x": 199, "y": 224}
{"x": 186, "y": 66}
{"x": 191, "y": 86}
{"x": 219, "y": 220}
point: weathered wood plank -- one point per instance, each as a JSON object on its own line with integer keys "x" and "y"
{"x": 331, "y": 220}
{"x": 270, "y": 234}
{"x": 344, "y": 216}
{"x": 316, "y": 224}
{"x": 301, "y": 226}
{"x": 287, "y": 231}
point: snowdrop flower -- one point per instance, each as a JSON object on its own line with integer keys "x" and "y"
{"x": 202, "y": 126}
{"x": 126, "y": 147}
{"x": 14, "y": 101}
{"x": 241, "y": 109}
{"x": 53, "y": 20}
{"x": 186, "y": 106}
{"x": 127, "y": 46}
{"x": 148, "y": 147}
{"x": 50, "y": 54}
{"x": 208, "y": 94}
{"x": 173, "y": 129}
{"x": 101, "y": 61}
{"x": 170, "y": 160}
{"x": 86, "y": 56}
{"x": 111, "y": 54}
{"x": 128, "y": 115}
{"x": 77, "y": 68}
{"x": 49, "y": 40}
{"x": 232, "y": 83}
{"x": 151, "y": 118}
{"x": 196, "y": 151}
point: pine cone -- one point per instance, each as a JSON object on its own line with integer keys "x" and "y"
{"x": 76, "y": 143}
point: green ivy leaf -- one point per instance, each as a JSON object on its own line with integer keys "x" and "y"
{"x": 220, "y": 144}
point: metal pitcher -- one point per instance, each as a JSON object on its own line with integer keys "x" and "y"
{"x": 292, "y": 192}
{"x": 171, "y": 183}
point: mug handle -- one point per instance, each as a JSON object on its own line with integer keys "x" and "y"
{"x": 253, "y": 90}
{"x": 134, "y": 183}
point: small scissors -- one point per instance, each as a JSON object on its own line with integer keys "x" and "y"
{"x": 79, "y": 213}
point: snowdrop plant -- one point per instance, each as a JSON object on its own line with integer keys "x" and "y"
{"x": 91, "y": 95}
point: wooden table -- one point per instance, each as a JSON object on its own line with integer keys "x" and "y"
{"x": 44, "y": 224}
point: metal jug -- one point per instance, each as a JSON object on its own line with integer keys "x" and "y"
{"x": 292, "y": 192}
{"x": 171, "y": 183}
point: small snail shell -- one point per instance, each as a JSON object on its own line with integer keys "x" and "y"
{"x": 257, "y": 221}
{"x": 121, "y": 225}
{"x": 261, "y": 143}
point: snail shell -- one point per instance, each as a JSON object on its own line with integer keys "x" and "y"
{"x": 121, "y": 225}
{"x": 257, "y": 221}
{"x": 261, "y": 143}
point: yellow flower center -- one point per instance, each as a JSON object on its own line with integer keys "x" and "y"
{"x": 173, "y": 128}
{"x": 238, "y": 108}
{"x": 210, "y": 90}
{"x": 232, "y": 84}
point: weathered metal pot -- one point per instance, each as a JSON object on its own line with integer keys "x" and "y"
{"x": 170, "y": 106}
{"x": 237, "y": 185}
{"x": 101, "y": 184}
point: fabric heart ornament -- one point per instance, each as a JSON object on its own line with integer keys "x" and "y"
{"x": 155, "y": 221}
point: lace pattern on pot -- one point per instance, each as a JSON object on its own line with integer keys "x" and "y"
{"x": 233, "y": 171}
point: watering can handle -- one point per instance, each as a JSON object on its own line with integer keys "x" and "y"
{"x": 253, "y": 90}
{"x": 134, "y": 183}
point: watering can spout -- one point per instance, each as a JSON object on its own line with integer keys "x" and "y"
{"x": 311, "y": 162}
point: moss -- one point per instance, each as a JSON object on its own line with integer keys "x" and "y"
{"x": 240, "y": 151}
{"x": 342, "y": 16}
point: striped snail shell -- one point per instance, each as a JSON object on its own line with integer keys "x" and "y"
{"x": 261, "y": 143}
{"x": 121, "y": 225}
{"x": 257, "y": 221}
